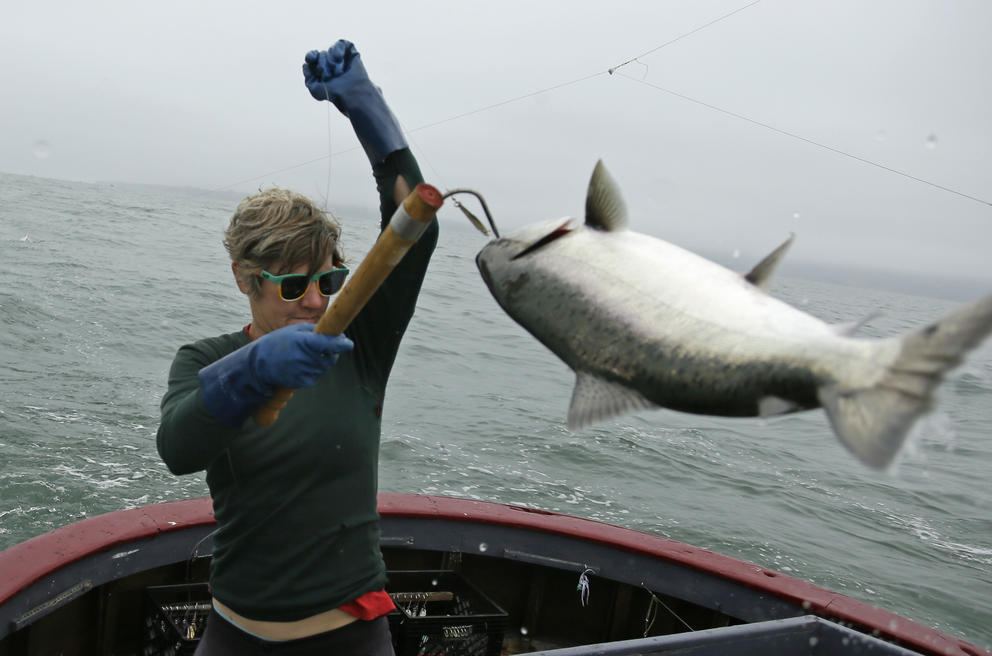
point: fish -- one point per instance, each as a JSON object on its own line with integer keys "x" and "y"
{"x": 646, "y": 324}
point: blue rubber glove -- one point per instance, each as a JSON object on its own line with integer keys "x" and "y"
{"x": 338, "y": 75}
{"x": 293, "y": 356}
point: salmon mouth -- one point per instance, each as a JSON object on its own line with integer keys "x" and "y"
{"x": 484, "y": 268}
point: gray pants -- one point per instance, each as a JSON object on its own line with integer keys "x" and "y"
{"x": 221, "y": 638}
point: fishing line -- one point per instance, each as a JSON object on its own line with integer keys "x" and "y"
{"x": 652, "y": 613}
{"x": 679, "y": 38}
{"x": 283, "y": 170}
{"x": 449, "y": 193}
{"x": 421, "y": 127}
{"x": 806, "y": 140}
{"x": 423, "y": 153}
{"x": 511, "y": 100}
{"x": 195, "y": 553}
{"x": 330, "y": 159}
{"x": 613, "y": 70}
{"x": 514, "y": 99}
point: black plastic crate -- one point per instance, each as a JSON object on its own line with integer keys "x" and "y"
{"x": 439, "y": 612}
{"x": 175, "y": 618}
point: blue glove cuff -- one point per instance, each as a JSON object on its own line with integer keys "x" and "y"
{"x": 375, "y": 125}
{"x": 230, "y": 393}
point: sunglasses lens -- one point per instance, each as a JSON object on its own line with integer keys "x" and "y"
{"x": 331, "y": 281}
{"x": 294, "y": 287}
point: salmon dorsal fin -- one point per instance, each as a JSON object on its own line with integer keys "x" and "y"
{"x": 605, "y": 209}
{"x": 762, "y": 272}
{"x": 595, "y": 399}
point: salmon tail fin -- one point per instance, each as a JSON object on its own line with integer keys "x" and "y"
{"x": 873, "y": 422}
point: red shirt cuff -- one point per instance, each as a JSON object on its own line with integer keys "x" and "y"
{"x": 370, "y": 605}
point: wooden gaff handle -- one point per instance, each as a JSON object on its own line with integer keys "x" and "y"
{"x": 421, "y": 205}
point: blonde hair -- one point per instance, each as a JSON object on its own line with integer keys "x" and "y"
{"x": 278, "y": 228}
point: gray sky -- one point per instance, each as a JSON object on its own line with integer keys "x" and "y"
{"x": 210, "y": 94}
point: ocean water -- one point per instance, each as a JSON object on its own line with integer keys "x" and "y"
{"x": 100, "y": 284}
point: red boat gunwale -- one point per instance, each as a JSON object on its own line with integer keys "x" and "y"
{"x": 29, "y": 561}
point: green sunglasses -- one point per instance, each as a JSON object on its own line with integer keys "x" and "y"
{"x": 292, "y": 286}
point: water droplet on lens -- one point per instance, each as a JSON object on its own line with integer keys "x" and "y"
{"x": 796, "y": 215}
{"x": 42, "y": 149}
{"x": 813, "y": 641}
{"x": 737, "y": 253}
{"x": 434, "y": 582}
{"x": 483, "y": 547}
{"x": 931, "y": 142}
{"x": 880, "y": 135}
{"x": 523, "y": 630}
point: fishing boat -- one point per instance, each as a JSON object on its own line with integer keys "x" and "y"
{"x": 468, "y": 577}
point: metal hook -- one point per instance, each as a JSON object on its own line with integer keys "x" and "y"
{"x": 471, "y": 217}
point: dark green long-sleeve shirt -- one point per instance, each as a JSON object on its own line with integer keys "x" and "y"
{"x": 295, "y": 502}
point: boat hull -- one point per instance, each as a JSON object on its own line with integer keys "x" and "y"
{"x": 87, "y": 579}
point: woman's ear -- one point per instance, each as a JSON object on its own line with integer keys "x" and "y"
{"x": 242, "y": 284}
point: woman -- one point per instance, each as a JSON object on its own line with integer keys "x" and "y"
{"x": 296, "y": 564}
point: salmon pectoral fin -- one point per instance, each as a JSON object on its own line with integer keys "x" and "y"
{"x": 595, "y": 400}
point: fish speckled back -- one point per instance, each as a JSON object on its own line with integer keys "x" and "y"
{"x": 100, "y": 284}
